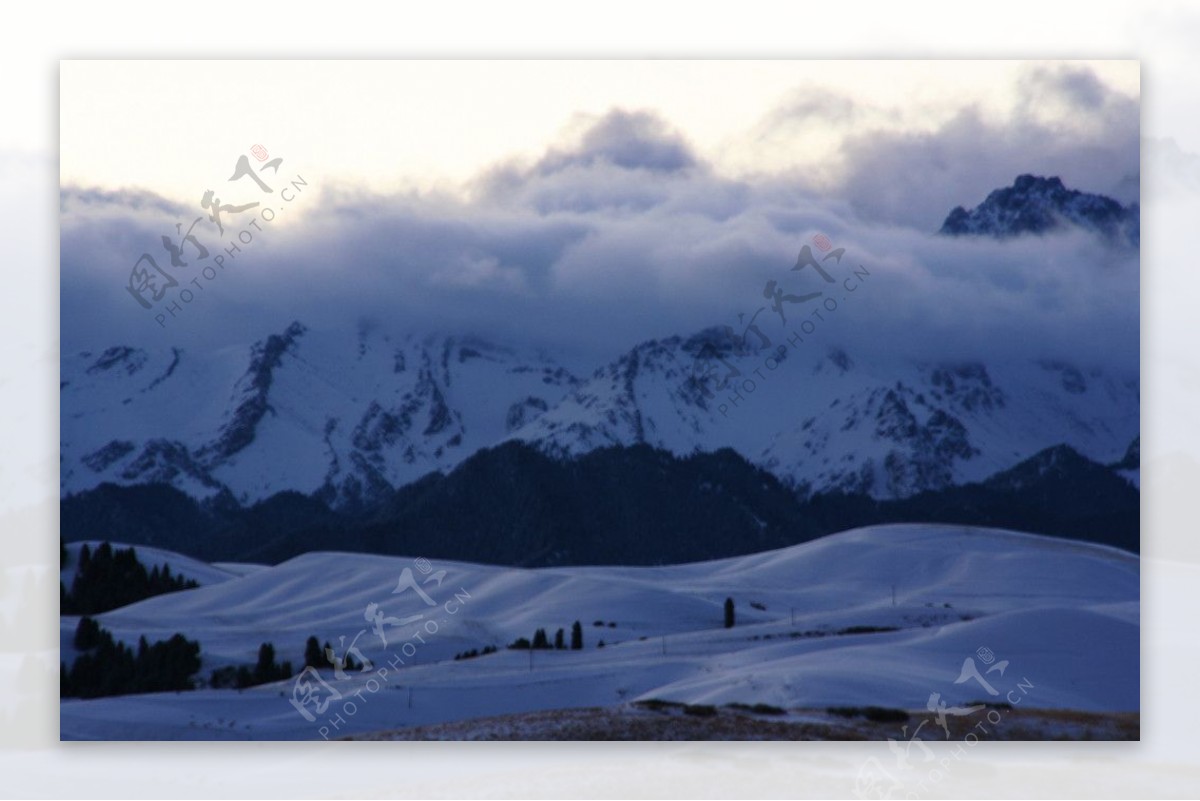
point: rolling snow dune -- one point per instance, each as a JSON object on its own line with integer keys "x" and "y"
{"x": 1063, "y": 616}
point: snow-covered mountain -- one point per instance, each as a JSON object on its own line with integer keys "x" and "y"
{"x": 345, "y": 416}
{"x": 1035, "y": 205}
{"x": 824, "y": 420}
{"x": 349, "y": 417}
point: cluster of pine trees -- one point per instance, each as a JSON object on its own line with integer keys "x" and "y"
{"x": 265, "y": 670}
{"x": 316, "y": 656}
{"x": 474, "y": 652}
{"x": 111, "y": 578}
{"x": 110, "y": 667}
{"x": 541, "y": 641}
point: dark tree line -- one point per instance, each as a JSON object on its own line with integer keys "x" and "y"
{"x": 564, "y": 512}
{"x": 265, "y": 671}
{"x": 475, "y": 652}
{"x": 318, "y": 657}
{"x": 110, "y": 667}
{"x": 113, "y": 577}
{"x": 541, "y": 641}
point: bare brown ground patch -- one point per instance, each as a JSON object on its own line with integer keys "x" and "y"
{"x": 672, "y": 723}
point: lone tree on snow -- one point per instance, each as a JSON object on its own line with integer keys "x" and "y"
{"x": 728, "y": 613}
{"x": 576, "y": 636}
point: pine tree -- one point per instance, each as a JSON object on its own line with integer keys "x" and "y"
{"x": 540, "y": 640}
{"x": 87, "y": 634}
{"x": 264, "y": 670}
{"x": 728, "y": 613}
{"x": 576, "y": 636}
{"x": 313, "y": 655}
{"x": 558, "y": 640}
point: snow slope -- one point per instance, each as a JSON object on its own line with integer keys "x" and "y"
{"x": 1064, "y": 615}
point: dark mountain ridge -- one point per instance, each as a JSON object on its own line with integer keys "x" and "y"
{"x": 514, "y": 505}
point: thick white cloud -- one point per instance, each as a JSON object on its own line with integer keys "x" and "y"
{"x": 625, "y": 233}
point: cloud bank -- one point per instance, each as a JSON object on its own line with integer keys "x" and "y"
{"x": 625, "y": 233}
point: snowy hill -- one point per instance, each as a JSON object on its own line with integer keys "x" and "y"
{"x": 884, "y": 615}
{"x": 200, "y": 572}
{"x": 1036, "y": 205}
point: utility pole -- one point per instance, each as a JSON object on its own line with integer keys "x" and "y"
{"x": 410, "y": 697}
{"x": 793, "y": 615}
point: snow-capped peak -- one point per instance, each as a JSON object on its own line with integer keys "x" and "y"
{"x": 1037, "y": 205}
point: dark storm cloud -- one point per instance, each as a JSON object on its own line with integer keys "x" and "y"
{"x": 626, "y": 234}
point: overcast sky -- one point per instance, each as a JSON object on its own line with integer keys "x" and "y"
{"x": 594, "y": 204}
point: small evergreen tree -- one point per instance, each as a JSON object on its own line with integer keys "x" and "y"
{"x": 728, "y": 613}
{"x": 264, "y": 670}
{"x": 540, "y": 640}
{"x": 87, "y": 634}
{"x": 558, "y": 640}
{"x": 313, "y": 655}
{"x": 576, "y": 636}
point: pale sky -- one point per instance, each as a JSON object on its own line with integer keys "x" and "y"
{"x": 171, "y": 126}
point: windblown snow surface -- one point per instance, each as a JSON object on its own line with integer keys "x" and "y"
{"x": 1064, "y": 616}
